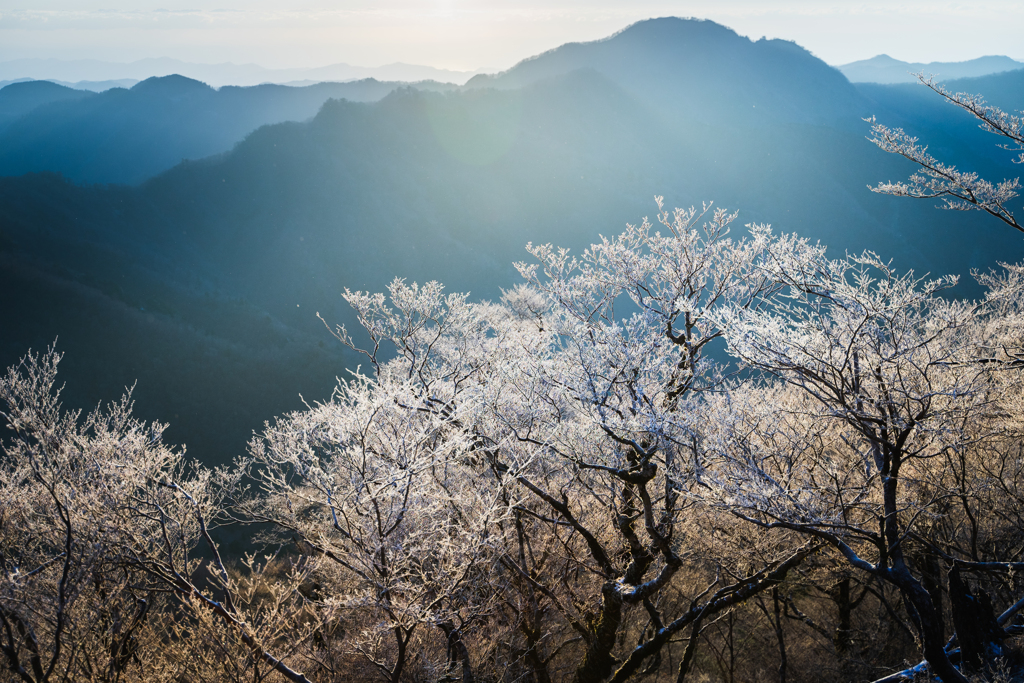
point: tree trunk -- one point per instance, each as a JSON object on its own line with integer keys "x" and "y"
{"x": 779, "y": 635}
{"x": 931, "y": 579}
{"x": 598, "y": 660}
{"x": 457, "y": 651}
{"x": 929, "y": 624}
{"x": 401, "y": 641}
{"x": 844, "y": 605}
{"x": 977, "y": 630}
{"x": 691, "y": 647}
{"x": 538, "y": 667}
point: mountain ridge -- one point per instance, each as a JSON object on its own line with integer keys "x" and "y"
{"x": 887, "y": 70}
{"x": 128, "y": 135}
{"x": 18, "y": 99}
{"x": 221, "y": 74}
{"x": 690, "y": 61}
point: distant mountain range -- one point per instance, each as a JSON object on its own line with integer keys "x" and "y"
{"x": 96, "y": 75}
{"x": 92, "y": 86}
{"x": 202, "y": 282}
{"x": 126, "y": 136}
{"x": 216, "y": 75}
{"x": 885, "y": 69}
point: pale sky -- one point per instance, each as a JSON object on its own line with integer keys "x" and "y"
{"x": 470, "y": 34}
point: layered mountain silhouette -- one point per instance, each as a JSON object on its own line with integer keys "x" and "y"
{"x": 885, "y": 69}
{"x": 217, "y": 75}
{"x": 91, "y": 86}
{"x": 125, "y": 136}
{"x": 19, "y": 99}
{"x": 915, "y": 103}
{"x": 204, "y": 281}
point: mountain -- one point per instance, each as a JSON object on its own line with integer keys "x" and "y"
{"x": 18, "y": 99}
{"x": 100, "y": 86}
{"x": 885, "y": 69}
{"x": 701, "y": 69}
{"x": 93, "y": 86}
{"x": 203, "y": 282}
{"x": 4, "y": 84}
{"x": 949, "y": 132}
{"x": 127, "y": 136}
{"x": 1003, "y": 90}
{"x": 218, "y": 75}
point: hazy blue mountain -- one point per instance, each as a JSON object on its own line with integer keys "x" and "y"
{"x": 703, "y": 70}
{"x": 951, "y": 133}
{"x": 398, "y": 71}
{"x": 126, "y": 136}
{"x": 93, "y": 86}
{"x": 204, "y": 281}
{"x": 1005, "y": 90}
{"x": 219, "y": 74}
{"x": 4, "y": 84}
{"x": 885, "y": 69}
{"x": 18, "y": 99}
{"x": 100, "y": 86}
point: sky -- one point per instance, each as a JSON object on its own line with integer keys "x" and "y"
{"x": 488, "y": 34}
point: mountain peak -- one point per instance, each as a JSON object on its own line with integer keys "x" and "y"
{"x": 693, "y": 62}
{"x": 33, "y": 88}
{"x": 674, "y": 28}
{"x": 171, "y": 86}
{"x": 18, "y": 99}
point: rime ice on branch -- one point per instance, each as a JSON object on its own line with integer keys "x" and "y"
{"x": 959, "y": 190}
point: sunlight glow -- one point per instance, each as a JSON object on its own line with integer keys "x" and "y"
{"x": 494, "y": 34}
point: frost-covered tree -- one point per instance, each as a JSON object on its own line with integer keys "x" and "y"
{"x": 539, "y": 446}
{"x": 891, "y": 394}
{"x": 578, "y": 466}
{"x": 576, "y": 482}
{"x": 959, "y": 190}
{"x": 99, "y": 527}
{"x": 615, "y": 394}
{"x": 377, "y": 484}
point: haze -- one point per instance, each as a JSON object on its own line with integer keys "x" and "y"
{"x": 489, "y": 34}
